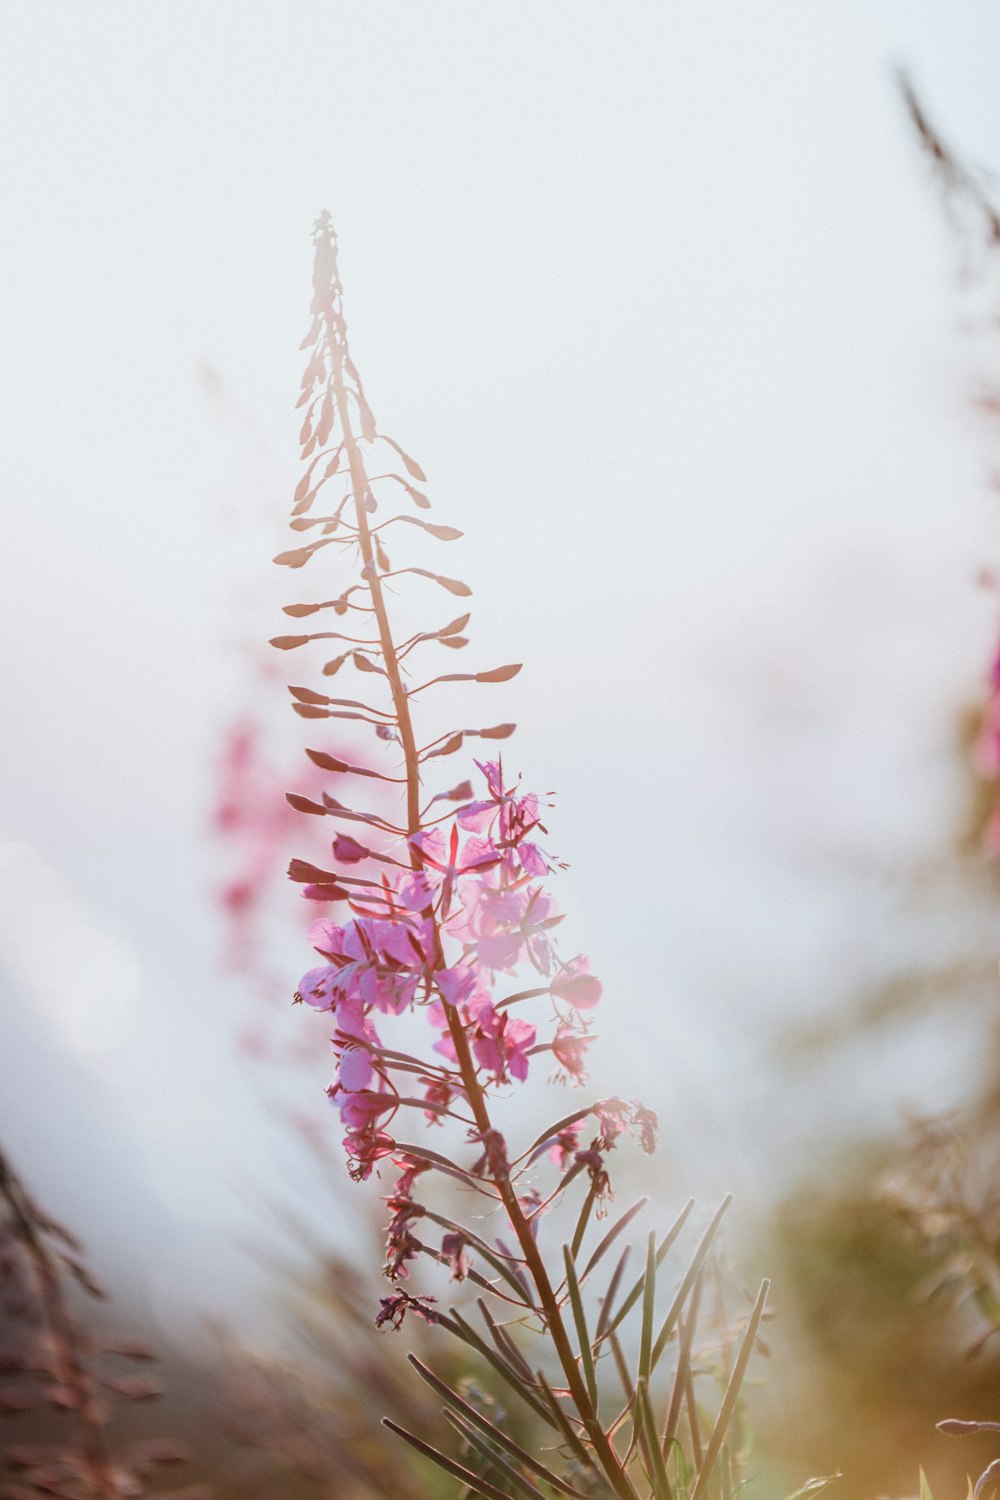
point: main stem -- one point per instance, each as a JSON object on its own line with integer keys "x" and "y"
{"x": 603, "y": 1448}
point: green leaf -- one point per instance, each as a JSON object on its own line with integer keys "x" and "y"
{"x": 660, "y": 1482}
{"x": 560, "y": 1420}
{"x": 608, "y": 1300}
{"x": 732, "y": 1394}
{"x": 579, "y": 1318}
{"x": 476, "y": 1485}
{"x": 494, "y": 1458}
{"x": 665, "y": 1245}
{"x": 497, "y": 1434}
{"x": 648, "y": 1307}
{"x": 457, "y": 1325}
{"x": 612, "y": 1234}
{"x": 690, "y": 1277}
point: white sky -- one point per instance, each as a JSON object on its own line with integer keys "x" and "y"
{"x": 660, "y": 296}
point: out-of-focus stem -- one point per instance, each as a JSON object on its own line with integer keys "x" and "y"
{"x": 69, "y": 1367}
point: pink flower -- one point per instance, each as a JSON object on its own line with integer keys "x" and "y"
{"x": 576, "y": 985}
{"x": 431, "y": 846}
{"x": 316, "y": 987}
{"x": 501, "y": 1043}
{"x": 570, "y": 1051}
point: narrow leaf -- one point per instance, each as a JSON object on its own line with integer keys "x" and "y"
{"x": 560, "y": 1125}
{"x": 583, "y": 1220}
{"x": 485, "y": 1425}
{"x": 616, "y": 1229}
{"x": 457, "y": 1325}
{"x": 608, "y": 1300}
{"x": 580, "y": 1319}
{"x": 665, "y": 1245}
{"x": 682, "y": 1374}
{"x": 660, "y": 1482}
{"x": 811, "y": 1486}
{"x": 562, "y": 1422}
{"x": 648, "y": 1307}
{"x": 502, "y": 1268}
{"x": 475, "y": 1484}
{"x": 731, "y": 1397}
{"x": 690, "y": 1276}
{"x": 471, "y": 1436}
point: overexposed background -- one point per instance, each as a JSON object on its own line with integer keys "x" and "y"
{"x": 662, "y": 299}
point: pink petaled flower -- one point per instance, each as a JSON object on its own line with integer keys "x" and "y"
{"x": 444, "y": 859}
{"x": 478, "y": 816}
{"x": 570, "y": 1051}
{"x": 364, "y": 1143}
{"x": 352, "y": 1041}
{"x": 416, "y": 890}
{"x": 576, "y": 985}
{"x": 394, "y": 1309}
{"x": 500, "y": 1044}
{"x": 317, "y": 987}
{"x": 504, "y": 937}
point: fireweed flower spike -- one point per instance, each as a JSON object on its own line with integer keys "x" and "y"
{"x": 443, "y": 909}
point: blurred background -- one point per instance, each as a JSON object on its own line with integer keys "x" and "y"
{"x": 666, "y": 301}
